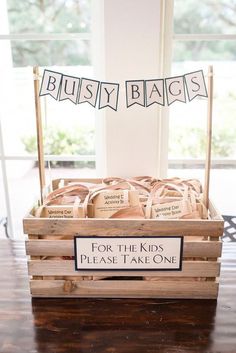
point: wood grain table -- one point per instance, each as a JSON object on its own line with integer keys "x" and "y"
{"x": 112, "y": 325}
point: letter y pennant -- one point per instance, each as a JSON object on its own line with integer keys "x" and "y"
{"x": 109, "y": 94}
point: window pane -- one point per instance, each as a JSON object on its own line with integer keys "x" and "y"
{"x": 222, "y": 190}
{"x": 47, "y": 16}
{"x": 220, "y": 50}
{"x": 205, "y": 16}
{"x": 49, "y": 53}
{"x": 188, "y": 121}
{"x": 24, "y": 187}
{"x": 69, "y": 127}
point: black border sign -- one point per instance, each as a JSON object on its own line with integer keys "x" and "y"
{"x": 155, "y": 251}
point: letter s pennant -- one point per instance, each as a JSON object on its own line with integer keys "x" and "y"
{"x": 195, "y": 84}
{"x": 89, "y": 91}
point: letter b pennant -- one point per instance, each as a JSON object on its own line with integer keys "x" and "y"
{"x": 135, "y": 93}
{"x": 50, "y": 84}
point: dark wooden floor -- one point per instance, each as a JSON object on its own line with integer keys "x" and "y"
{"x": 112, "y": 325}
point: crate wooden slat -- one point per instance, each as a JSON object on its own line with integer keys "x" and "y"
{"x": 52, "y": 276}
{"x": 124, "y": 289}
{"x": 66, "y": 248}
{"x": 122, "y": 226}
{"x": 66, "y": 268}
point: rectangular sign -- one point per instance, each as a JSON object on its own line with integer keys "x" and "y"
{"x": 128, "y": 253}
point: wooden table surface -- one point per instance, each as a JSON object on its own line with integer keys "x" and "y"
{"x": 112, "y": 325}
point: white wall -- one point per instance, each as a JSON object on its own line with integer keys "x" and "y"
{"x": 129, "y": 48}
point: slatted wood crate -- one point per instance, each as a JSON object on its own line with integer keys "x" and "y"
{"x": 50, "y": 248}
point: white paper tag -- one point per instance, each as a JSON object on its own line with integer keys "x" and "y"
{"x": 174, "y": 209}
{"x": 62, "y": 211}
{"x": 109, "y": 202}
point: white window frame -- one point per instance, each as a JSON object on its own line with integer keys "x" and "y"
{"x": 3, "y": 157}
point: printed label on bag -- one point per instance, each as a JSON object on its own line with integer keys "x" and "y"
{"x": 174, "y": 209}
{"x": 61, "y": 211}
{"x": 108, "y": 203}
{"x": 58, "y": 212}
{"x": 128, "y": 253}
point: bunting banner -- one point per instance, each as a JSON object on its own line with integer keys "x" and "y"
{"x": 145, "y": 93}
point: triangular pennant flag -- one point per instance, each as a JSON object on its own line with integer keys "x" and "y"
{"x": 50, "y": 84}
{"x": 154, "y": 92}
{"x": 175, "y": 89}
{"x": 88, "y": 91}
{"x": 195, "y": 84}
{"x": 109, "y": 94}
{"x": 69, "y": 88}
{"x": 135, "y": 93}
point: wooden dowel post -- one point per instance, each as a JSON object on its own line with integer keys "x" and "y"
{"x": 39, "y": 132}
{"x": 209, "y": 137}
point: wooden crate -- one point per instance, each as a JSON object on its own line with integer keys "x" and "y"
{"x": 53, "y": 276}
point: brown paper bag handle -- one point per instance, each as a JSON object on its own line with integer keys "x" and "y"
{"x": 156, "y": 192}
{"x": 123, "y": 185}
